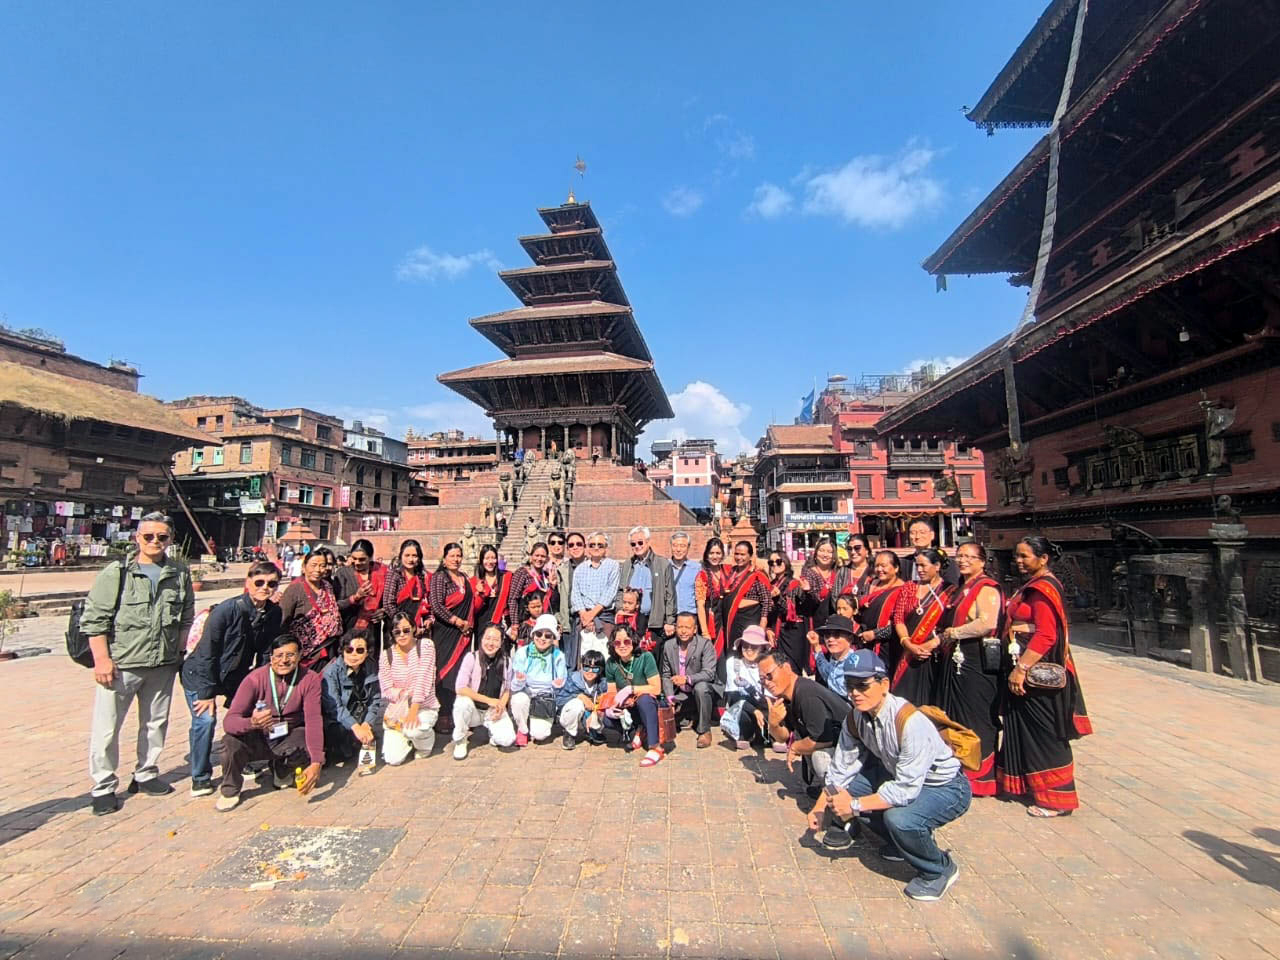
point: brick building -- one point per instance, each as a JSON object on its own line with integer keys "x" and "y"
{"x": 804, "y": 488}
{"x": 375, "y": 481}
{"x": 273, "y": 468}
{"x": 447, "y": 456}
{"x": 83, "y": 455}
{"x": 689, "y": 471}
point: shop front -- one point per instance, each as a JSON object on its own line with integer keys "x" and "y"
{"x": 804, "y": 531}
{"x": 39, "y": 533}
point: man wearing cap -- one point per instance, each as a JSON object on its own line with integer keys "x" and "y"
{"x": 909, "y": 782}
{"x": 836, "y": 635}
{"x": 805, "y": 708}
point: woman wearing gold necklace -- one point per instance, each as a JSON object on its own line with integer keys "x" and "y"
{"x": 914, "y": 670}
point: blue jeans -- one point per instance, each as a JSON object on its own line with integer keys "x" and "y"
{"x": 644, "y": 713}
{"x": 569, "y": 644}
{"x": 738, "y": 720}
{"x": 910, "y": 828}
{"x": 200, "y": 740}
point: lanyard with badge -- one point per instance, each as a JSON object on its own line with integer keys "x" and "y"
{"x": 281, "y": 728}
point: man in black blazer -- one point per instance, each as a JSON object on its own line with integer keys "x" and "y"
{"x": 922, "y": 537}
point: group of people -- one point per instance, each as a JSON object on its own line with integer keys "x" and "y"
{"x": 844, "y": 668}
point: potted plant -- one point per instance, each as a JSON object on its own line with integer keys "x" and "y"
{"x": 198, "y": 573}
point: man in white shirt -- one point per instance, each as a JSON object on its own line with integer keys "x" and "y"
{"x": 891, "y": 764}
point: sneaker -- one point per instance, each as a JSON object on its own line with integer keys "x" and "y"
{"x": 154, "y": 787}
{"x": 839, "y": 836}
{"x": 522, "y": 739}
{"x": 105, "y": 803}
{"x": 929, "y": 890}
{"x": 890, "y": 852}
{"x": 281, "y": 781}
{"x": 704, "y": 740}
{"x": 459, "y": 749}
{"x": 201, "y": 788}
{"x": 595, "y": 738}
{"x": 569, "y": 741}
{"x": 226, "y": 802}
{"x": 741, "y": 745}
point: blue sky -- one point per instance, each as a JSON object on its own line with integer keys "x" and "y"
{"x": 303, "y": 203}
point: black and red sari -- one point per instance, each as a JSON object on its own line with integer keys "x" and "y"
{"x": 450, "y": 599}
{"x": 708, "y": 590}
{"x": 492, "y": 600}
{"x": 524, "y": 583}
{"x": 742, "y": 587}
{"x": 412, "y": 596}
{"x": 915, "y": 679}
{"x": 968, "y": 693}
{"x": 789, "y": 628}
{"x": 876, "y": 613}
{"x": 824, "y": 589}
{"x": 1035, "y": 756}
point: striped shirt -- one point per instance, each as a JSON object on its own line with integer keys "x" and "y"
{"x": 414, "y": 674}
{"x": 595, "y": 586}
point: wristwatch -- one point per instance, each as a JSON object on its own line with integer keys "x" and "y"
{"x": 856, "y": 803}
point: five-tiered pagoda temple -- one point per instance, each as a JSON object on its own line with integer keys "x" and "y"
{"x": 578, "y": 373}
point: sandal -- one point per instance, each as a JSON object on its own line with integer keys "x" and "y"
{"x": 1043, "y": 813}
{"x": 653, "y": 757}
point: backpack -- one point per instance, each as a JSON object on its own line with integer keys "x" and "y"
{"x": 197, "y": 630}
{"x": 964, "y": 743}
{"x": 77, "y": 641}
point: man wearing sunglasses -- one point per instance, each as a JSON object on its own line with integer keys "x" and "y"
{"x": 574, "y": 544}
{"x": 236, "y": 634}
{"x": 136, "y": 616}
{"x": 803, "y": 708}
{"x": 891, "y": 765}
{"x": 651, "y": 574}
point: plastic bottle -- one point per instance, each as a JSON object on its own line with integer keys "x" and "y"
{"x": 299, "y": 778}
{"x": 259, "y": 706}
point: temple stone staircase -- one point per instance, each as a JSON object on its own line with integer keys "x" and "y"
{"x": 537, "y": 485}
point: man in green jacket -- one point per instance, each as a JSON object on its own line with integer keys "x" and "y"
{"x": 137, "y": 646}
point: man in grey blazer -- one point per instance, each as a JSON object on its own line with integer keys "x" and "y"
{"x": 688, "y": 670}
{"x": 649, "y": 573}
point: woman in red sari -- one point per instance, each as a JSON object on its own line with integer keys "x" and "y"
{"x": 361, "y": 582}
{"x": 452, "y": 605}
{"x": 407, "y": 588}
{"x": 536, "y": 576}
{"x": 914, "y": 671}
{"x": 969, "y": 676}
{"x": 861, "y": 570}
{"x": 787, "y": 628}
{"x": 492, "y": 588}
{"x": 875, "y": 614}
{"x": 746, "y": 596}
{"x": 708, "y": 590}
{"x": 1035, "y": 756}
{"x": 823, "y": 581}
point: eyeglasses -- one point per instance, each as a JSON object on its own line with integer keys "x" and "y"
{"x": 637, "y": 543}
{"x": 858, "y": 548}
{"x": 353, "y": 649}
{"x": 622, "y": 642}
{"x": 155, "y": 537}
{"x": 553, "y": 542}
{"x": 260, "y": 583}
{"x": 543, "y": 635}
{"x": 774, "y": 562}
{"x": 596, "y": 544}
{"x": 768, "y": 677}
{"x": 861, "y": 684}
{"x": 402, "y": 632}
{"x": 281, "y": 656}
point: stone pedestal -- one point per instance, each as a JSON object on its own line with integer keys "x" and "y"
{"x": 1228, "y": 539}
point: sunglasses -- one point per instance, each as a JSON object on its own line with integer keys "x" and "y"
{"x": 777, "y": 563}
{"x": 858, "y": 548}
{"x": 543, "y": 635}
{"x": 402, "y": 632}
{"x": 576, "y": 543}
{"x": 155, "y": 537}
{"x": 554, "y": 543}
{"x": 623, "y": 642}
{"x": 260, "y": 583}
{"x": 595, "y": 545}
{"x": 861, "y": 685}
{"x": 637, "y": 543}
{"x": 770, "y": 675}
{"x": 351, "y": 649}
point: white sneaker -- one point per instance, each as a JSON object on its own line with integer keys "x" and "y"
{"x": 459, "y": 749}
{"x": 225, "y": 803}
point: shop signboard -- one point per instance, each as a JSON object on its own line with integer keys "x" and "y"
{"x": 344, "y": 496}
{"x": 251, "y": 505}
{"x": 818, "y": 521}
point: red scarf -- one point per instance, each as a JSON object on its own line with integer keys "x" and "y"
{"x": 929, "y": 610}
{"x": 416, "y": 587}
{"x": 502, "y": 589}
{"x": 737, "y": 586}
{"x": 369, "y": 606}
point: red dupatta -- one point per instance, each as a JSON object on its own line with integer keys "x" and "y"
{"x": 876, "y": 610}
{"x": 453, "y": 601}
{"x": 370, "y": 604}
{"x": 968, "y": 596}
{"x": 502, "y": 590}
{"x": 737, "y": 587}
{"x": 714, "y": 583}
{"x": 928, "y": 611}
{"x": 416, "y": 588}
{"x": 1047, "y": 585}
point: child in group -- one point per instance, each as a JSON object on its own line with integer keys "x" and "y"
{"x": 581, "y": 699}
{"x": 533, "y": 610}
{"x": 744, "y": 714}
{"x": 635, "y": 621}
{"x": 538, "y": 670}
{"x": 484, "y": 690}
{"x": 837, "y": 636}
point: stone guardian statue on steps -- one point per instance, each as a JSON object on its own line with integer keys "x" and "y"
{"x": 470, "y": 546}
{"x": 504, "y": 488}
{"x": 530, "y": 535}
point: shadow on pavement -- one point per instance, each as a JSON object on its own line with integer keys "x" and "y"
{"x": 1249, "y": 863}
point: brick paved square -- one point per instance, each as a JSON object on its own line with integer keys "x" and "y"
{"x": 539, "y": 853}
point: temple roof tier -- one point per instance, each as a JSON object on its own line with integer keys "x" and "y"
{"x": 568, "y": 217}
{"x": 568, "y": 381}
{"x": 565, "y": 283}
{"x": 594, "y": 325}
{"x": 571, "y": 246}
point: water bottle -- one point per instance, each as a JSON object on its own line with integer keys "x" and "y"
{"x": 299, "y": 778}
{"x": 260, "y": 706}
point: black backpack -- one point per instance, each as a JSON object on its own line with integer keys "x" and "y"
{"x": 78, "y": 641}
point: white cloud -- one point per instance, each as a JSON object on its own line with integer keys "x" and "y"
{"x": 940, "y": 364}
{"x": 876, "y": 191}
{"x": 425, "y": 264}
{"x": 738, "y": 146}
{"x": 447, "y": 415}
{"x": 702, "y": 410}
{"x": 770, "y": 201}
{"x": 682, "y": 201}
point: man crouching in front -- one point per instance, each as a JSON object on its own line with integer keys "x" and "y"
{"x": 898, "y": 774}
